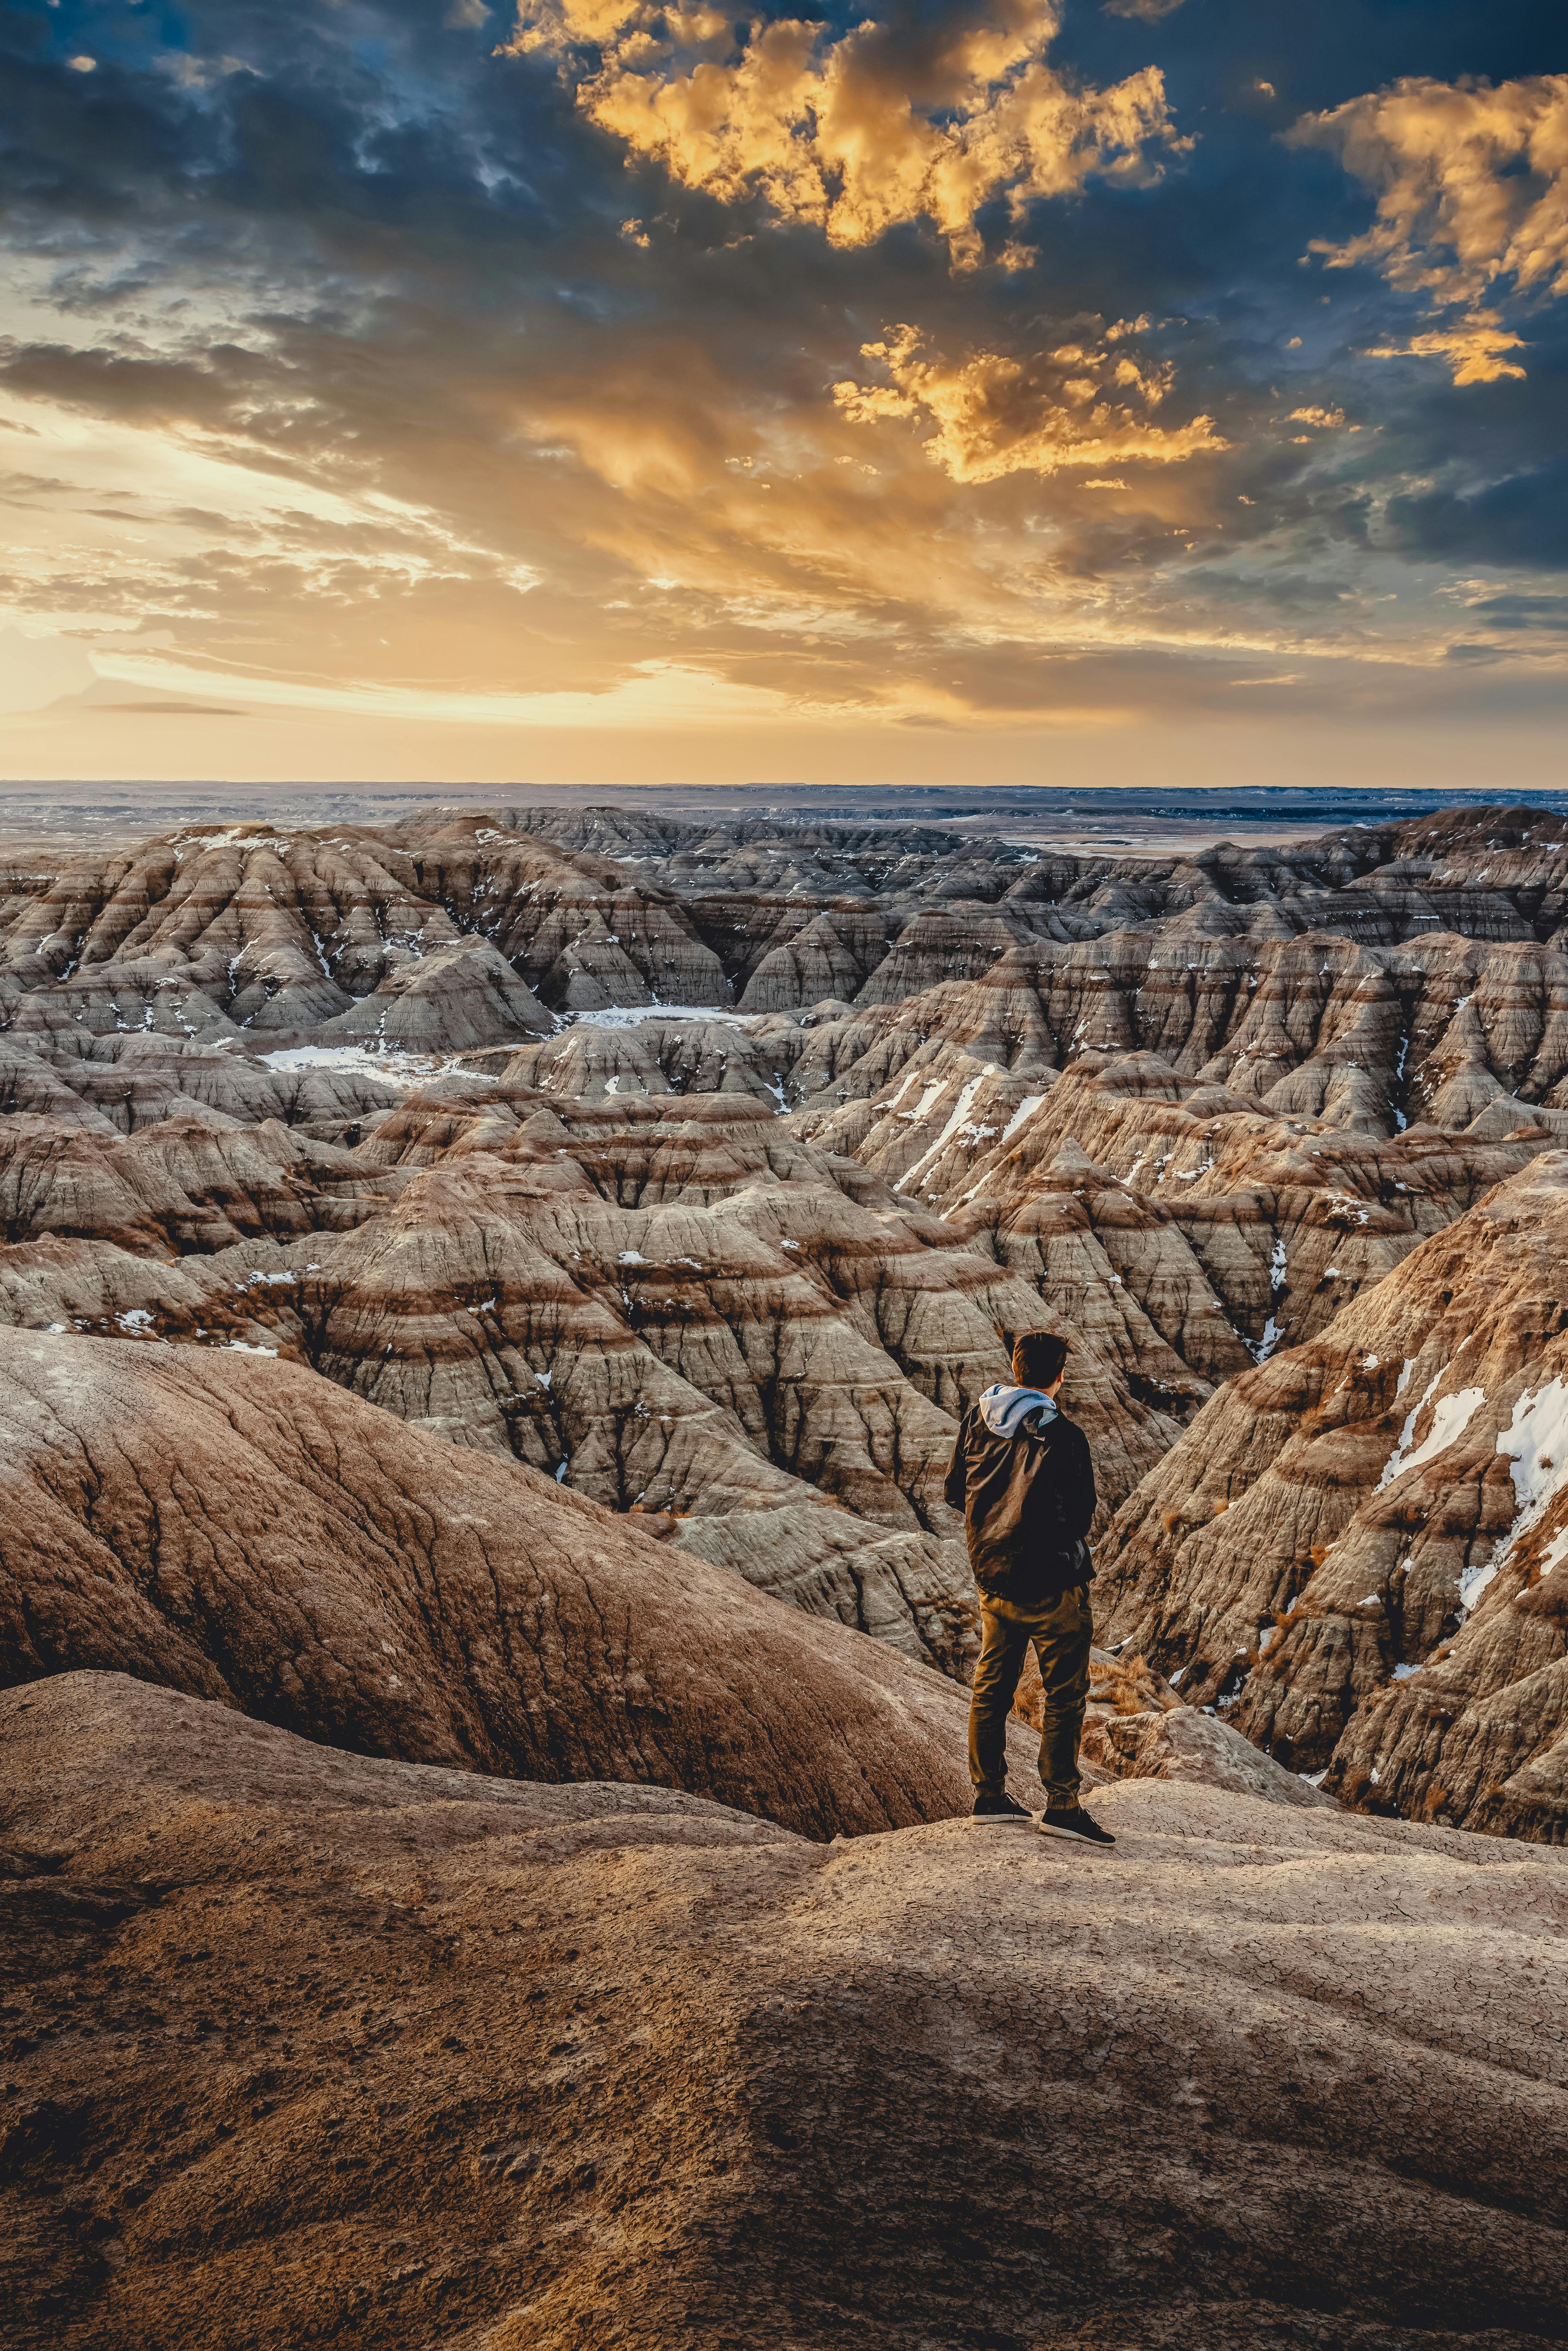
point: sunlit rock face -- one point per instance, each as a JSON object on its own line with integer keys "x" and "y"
{"x": 1121, "y": 1183}
{"x": 342, "y": 931}
{"x": 703, "y": 1169}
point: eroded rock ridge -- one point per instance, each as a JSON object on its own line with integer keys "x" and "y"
{"x": 696, "y": 1171}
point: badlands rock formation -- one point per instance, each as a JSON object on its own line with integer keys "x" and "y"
{"x": 697, "y": 1169}
{"x": 304, "y": 2046}
{"x": 1137, "y": 1728}
{"x": 241, "y": 1530}
{"x": 1355, "y": 1551}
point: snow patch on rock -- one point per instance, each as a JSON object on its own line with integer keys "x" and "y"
{"x": 630, "y": 1016}
{"x": 1537, "y": 1438}
{"x": 1026, "y": 1109}
{"x": 385, "y": 1061}
{"x": 960, "y": 1113}
{"x": 1451, "y": 1417}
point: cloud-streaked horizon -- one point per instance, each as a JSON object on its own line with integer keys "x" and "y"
{"x": 1009, "y": 369}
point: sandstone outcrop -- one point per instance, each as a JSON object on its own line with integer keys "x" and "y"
{"x": 453, "y": 999}
{"x": 1197, "y": 1749}
{"x": 1372, "y": 982}
{"x": 252, "y": 930}
{"x": 140, "y": 1080}
{"x": 1137, "y": 1728}
{"x": 1312, "y": 1029}
{"x": 1494, "y": 872}
{"x": 183, "y": 1185}
{"x": 301, "y": 2044}
{"x": 1226, "y": 1234}
{"x": 690, "y": 1056}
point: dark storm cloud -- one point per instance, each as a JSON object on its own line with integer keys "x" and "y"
{"x": 1523, "y": 612}
{"x": 1520, "y": 521}
{"x": 593, "y": 364}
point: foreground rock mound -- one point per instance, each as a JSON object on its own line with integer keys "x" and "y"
{"x": 244, "y": 1530}
{"x": 307, "y": 2047}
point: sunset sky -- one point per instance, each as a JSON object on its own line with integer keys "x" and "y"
{"x": 1034, "y": 390}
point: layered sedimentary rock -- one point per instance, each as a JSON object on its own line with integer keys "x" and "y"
{"x": 689, "y": 1056}
{"x": 700, "y": 1168}
{"x": 141, "y": 1079}
{"x": 1179, "y": 1229}
{"x": 327, "y": 931}
{"x": 1356, "y": 1550}
{"x": 697, "y": 1316}
{"x": 305, "y": 2044}
{"x": 1314, "y": 1027}
{"x": 1309, "y": 981}
{"x": 241, "y": 1530}
{"x": 183, "y": 1185}
{"x": 1494, "y": 872}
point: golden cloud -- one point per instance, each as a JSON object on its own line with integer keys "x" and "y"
{"x": 1475, "y": 349}
{"x": 1081, "y": 405}
{"x": 858, "y": 134}
{"x": 1473, "y": 190}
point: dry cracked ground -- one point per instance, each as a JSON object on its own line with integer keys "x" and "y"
{"x": 484, "y": 1310}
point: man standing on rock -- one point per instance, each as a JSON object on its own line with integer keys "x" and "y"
{"x": 1023, "y": 1477}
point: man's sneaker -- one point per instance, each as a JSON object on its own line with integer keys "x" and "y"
{"x": 1000, "y": 1808}
{"x": 1072, "y": 1820}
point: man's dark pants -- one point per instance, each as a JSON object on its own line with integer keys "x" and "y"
{"x": 1062, "y": 1631}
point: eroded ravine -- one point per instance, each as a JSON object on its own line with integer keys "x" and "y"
{"x": 699, "y": 1170}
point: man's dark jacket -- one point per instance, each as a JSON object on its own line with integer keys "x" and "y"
{"x": 1026, "y": 1496}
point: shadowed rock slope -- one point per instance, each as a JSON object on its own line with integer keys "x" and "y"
{"x": 304, "y": 2046}
{"x": 244, "y": 1530}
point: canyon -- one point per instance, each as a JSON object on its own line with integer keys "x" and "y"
{"x": 485, "y": 1304}
{"x": 700, "y": 1169}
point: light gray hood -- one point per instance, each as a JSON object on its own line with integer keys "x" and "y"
{"x": 1002, "y": 1409}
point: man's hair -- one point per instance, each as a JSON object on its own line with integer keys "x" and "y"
{"x": 1037, "y": 1358}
